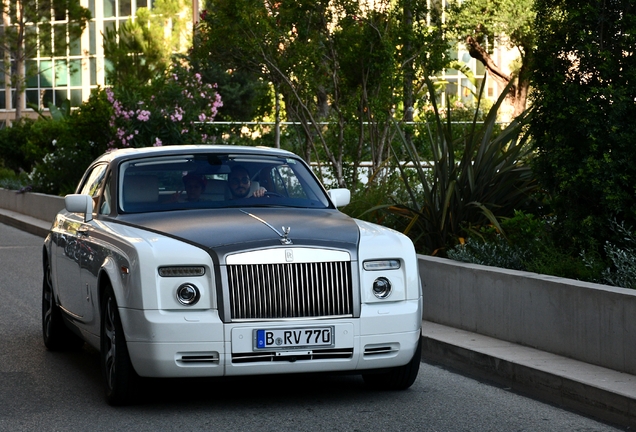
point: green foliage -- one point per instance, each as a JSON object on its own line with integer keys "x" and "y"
{"x": 166, "y": 111}
{"x": 135, "y": 57}
{"x": 76, "y": 140}
{"x": 507, "y": 22}
{"x": 337, "y": 64}
{"x": 55, "y": 151}
{"x": 495, "y": 253}
{"x": 456, "y": 196}
{"x": 584, "y": 112}
{"x": 368, "y": 203}
{"x": 529, "y": 245}
{"x": 14, "y": 151}
{"x": 140, "y": 51}
{"x": 622, "y": 271}
{"x": 246, "y": 96}
{"x": 10, "y": 180}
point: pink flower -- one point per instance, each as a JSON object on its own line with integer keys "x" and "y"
{"x": 178, "y": 114}
{"x": 143, "y": 115}
{"x": 157, "y": 143}
{"x": 110, "y": 95}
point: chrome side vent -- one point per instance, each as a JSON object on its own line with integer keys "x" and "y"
{"x": 381, "y": 350}
{"x": 290, "y": 290}
{"x": 198, "y": 358}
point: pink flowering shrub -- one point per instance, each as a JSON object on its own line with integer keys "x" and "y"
{"x": 173, "y": 110}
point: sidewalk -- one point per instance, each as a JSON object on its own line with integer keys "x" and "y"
{"x": 591, "y": 390}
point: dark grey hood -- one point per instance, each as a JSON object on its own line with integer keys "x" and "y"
{"x": 228, "y": 230}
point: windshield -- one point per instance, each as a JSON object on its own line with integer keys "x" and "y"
{"x": 216, "y": 181}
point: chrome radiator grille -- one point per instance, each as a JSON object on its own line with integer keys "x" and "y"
{"x": 292, "y": 290}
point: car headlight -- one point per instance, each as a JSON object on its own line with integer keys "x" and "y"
{"x": 382, "y": 287}
{"x": 188, "y": 294}
{"x": 386, "y": 264}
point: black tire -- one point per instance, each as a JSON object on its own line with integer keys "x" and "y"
{"x": 398, "y": 378}
{"x": 57, "y": 337}
{"x": 120, "y": 378}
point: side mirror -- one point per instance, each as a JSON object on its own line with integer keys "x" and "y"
{"x": 340, "y": 197}
{"x": 77, "y": 203}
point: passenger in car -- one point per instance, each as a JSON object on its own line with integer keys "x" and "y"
{"x": 194, "y": 187}
{"x": 241, "y": 185}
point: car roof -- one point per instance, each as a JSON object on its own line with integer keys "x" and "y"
{"x": 133, "y": 153}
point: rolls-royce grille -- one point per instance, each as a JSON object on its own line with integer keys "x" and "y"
{"x": 291, "y": 290}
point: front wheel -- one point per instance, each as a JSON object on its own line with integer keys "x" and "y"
{"x": 118, "y": 373}
{"x": 398, "y": 378}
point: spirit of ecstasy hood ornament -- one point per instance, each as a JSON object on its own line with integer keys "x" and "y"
{"x": 283, "y": 237}
{"x": 285, "y": 240}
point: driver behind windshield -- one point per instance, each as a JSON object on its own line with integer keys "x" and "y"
{"x": 240, "y": 184}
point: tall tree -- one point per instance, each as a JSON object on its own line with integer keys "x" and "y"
{"x": 135, "y": 57}
{"x": 332, "y": 61}
{"x": 484, "y": 24}
{"x": 585, "y": 81}
{"x": 29, "y": 26}
{"x": 142, "y": 48}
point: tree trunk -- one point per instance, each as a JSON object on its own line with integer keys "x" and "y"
{"x": 518, "y": 94}
{"x": 408, "y": 70}
{"x": 19, "y": 61}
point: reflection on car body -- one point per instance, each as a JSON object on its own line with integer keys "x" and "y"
{"x": 277, "y": 281}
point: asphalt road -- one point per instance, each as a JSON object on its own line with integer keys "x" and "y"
{"x": 44, "y": 391}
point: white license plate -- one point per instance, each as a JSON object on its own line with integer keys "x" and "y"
{"x": 293, "y": 338}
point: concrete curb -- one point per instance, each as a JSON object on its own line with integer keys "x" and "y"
{"x": 605, "y": 394}
{"x": 25, "y": 223}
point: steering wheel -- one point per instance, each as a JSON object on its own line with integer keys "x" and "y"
{"x": 272, "y": 194}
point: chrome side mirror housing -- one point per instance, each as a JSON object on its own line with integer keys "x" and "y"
{"x": 340, "y": 197}
{"x": 78, "y": 203}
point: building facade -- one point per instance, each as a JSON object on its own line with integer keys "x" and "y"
{"x": 69, "y": 73}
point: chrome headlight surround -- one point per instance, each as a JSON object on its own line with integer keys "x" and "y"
{"x": 382, "y": 287}
{"x": 188, "y": 294}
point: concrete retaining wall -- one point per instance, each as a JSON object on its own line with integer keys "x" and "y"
{"x": 589, "y": 322}
{"x": 36, "y": 205}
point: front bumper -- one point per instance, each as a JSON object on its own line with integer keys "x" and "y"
{"x": 198, "y": 344}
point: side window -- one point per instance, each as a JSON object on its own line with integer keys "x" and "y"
{"x": 94, "y": 182}
{"x": 286, "y": 180}
{"x": 106, "y": 201}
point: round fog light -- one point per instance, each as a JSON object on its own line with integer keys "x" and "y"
{"x": 188, "y": 294}
{"x": 382, "y": 288}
